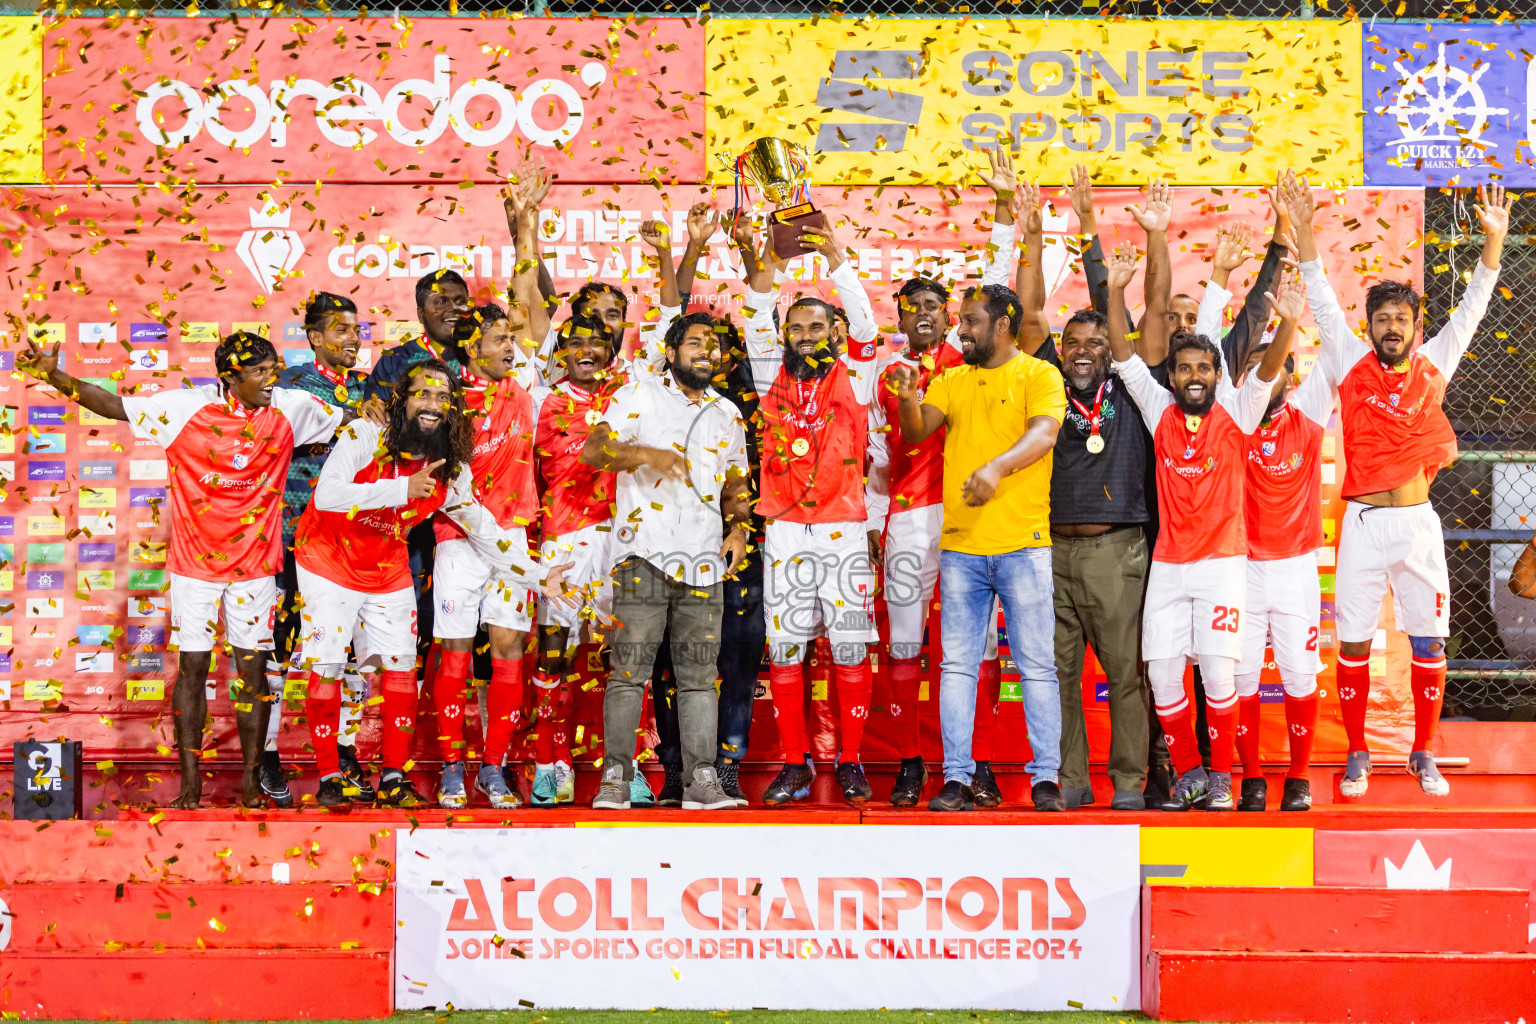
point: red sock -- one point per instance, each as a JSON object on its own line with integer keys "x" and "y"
{"x": 322, "y": 706}
{"x": 788, "y": 689}
{"x": 504, "y": 702}
{"x": 1353, "y": 681}
{"x": 906, "y": 676}
{"x": 1428, "y": 680}
{"x": 449, "y": 684}
{"x": 854, "y": 683}
{"x": 1300, "y": 724}
{"x": 550, "y": 740}
{"x": 1248, "y": 735}
{"x": 399, "y": 716}
{"x": 989, "y": 678}
{"x": 1221, "y": 723}
{"x": 1179, "y": 733}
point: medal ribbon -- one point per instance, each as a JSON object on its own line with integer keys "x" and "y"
{"x": 1093, "y": 417}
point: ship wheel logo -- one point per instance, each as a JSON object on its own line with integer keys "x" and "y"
{"x": 1440, "y": 103}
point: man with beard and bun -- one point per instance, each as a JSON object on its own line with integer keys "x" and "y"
{"x": 1396, "y": 438}
{"x": 816, "y": 383}
{"x": 1000, "y": 412}
{"x": 679, "y": 451}
{"x": 1099, "y": 515}
{"x": 1198, "y": 584}
{"x": 353, "y": 562}
{"x": 228, "y": 445}
{"x": 904, "y": 501}
{"x": 330, "y": 323}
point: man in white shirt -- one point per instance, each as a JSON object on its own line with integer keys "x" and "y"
{"x": 680, "y": 452}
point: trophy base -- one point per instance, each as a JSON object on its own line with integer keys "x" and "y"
{"x": 784, "y": 229}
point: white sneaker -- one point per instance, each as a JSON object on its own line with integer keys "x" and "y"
{"x": 1421, "y": 765}
{"x": 565, "y": 783}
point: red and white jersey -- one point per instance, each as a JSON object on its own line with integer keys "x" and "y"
{"x": 1395, "y": 428}
{"x": 812, "y": 445}
{"x": 354, "y": 529}
{"x": 504, "y": 415}
{"x": 904, "y": 475}
{"x": 228, "y": 467}
{"x": 1283, "y": 493}
{"x": 1200, "y": 471}
{"x": 575, "y": 495}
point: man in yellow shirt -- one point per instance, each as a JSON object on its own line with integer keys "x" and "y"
{"x": 1000, "y": 413}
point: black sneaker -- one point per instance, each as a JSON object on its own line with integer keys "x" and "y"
{"x": 791, "y": 785}
{"x": 910, "y": 781}
{"x": 984, "y": 786}
{"x": 395, "y": 790}
{"x": 333, "y": 792}
{"x": 357, "y": 775}
{"x": 1297, "y": 796}
{"x": 1255, "y": 795}
{"x": 730, "y": 781}
{"x": 850, "y": 779}
{"x": 671, "y": 794}
{"x": 1047, "y": 797}
{"x": 1159, "y": 787}
{"x": 273, "y": 782}
{"x": 955, "y": 796}
{"x": 1190, "y": 792}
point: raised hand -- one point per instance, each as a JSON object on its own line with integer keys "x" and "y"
{"x": 1290, "y": 297}
{"x": 703, "y": 222}
{"x": 1081, "y": 192}
{"x": 1299, "y": 201}
{"x": 1277, "y": 202}
{"x": 823, "y": 240}
{"x": 1031, "y": 205}
{"x": 1492, "y": 209}
{"x": 1232, "y": 247}
{"x": 423, "y": 483}
{"x": 656, "y": 235}
{"x": 1122, "y": 265}
{"x": 39, "y": 362}
{"x": 1156, "y": 212}
{"x": 904, "y": 381}
{"x": 743, "y": 232}
{"x": 999, "y": 175}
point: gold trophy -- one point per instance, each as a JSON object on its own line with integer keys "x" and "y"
{"x": 782, "y": 173}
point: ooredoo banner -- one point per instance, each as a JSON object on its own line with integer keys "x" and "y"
{"x": 1023, "y": 918}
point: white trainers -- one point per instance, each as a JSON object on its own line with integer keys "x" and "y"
{"x": 565, "y": 783}
{"x": 1421, "y": 765}
{"x": 1357, "y": 774}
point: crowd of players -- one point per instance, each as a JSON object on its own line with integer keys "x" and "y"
{"x": 665, "y": 493}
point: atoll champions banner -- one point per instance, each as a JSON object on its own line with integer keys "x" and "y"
{"x": 830, "y": 918}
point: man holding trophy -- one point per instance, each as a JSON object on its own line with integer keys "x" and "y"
{"x": 817, "y": 380}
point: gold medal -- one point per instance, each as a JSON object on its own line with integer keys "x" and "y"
{"x": 800, "y": 447}
{"x": 1095, "y": 444}
{"x": 1401, "y": 367}
{"x": 341, "y": 393}
{"x": 593, "y": 418}
{"x": 1192, "y": 422}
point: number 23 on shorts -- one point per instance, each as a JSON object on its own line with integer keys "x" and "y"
{"x": 1225, "y": 618}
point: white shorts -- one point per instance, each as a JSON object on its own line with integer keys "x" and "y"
{"x": 467, "y": 591}
{"x": 250, "y": 609}
{"x": 912, "y": 571}
{"x": 592, "y": 574}
{"x": 1195, "y": 608}
{"x": 1285, "y": 602}
{"x": 818, "y": 576}
{"x": 331, "y": 613}
{"x": 1400, "y": 547}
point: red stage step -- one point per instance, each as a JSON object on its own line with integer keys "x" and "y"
{"x": 1362, "y": 988}
{"x": 228, "y": 984}
{"x": 1364, "y": 955}
{"x": 1334, "y": 920}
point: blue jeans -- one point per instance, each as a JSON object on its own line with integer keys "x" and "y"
{"x": 1021, "y": 580}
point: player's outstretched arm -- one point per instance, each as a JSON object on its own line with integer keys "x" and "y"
{"x": 1446, "y": 348}
{"x": 918, "y": 419}
{"x": 1341, "y": 348}
{"x": 1150, "y": 397}
{"x": 337, "y": 490}
{"x": 606, "y": 452}
{"x": 703, "y": 223}
{"x": 44, "y": 365}
{"x": 1154, "y": 215}
{"x": 1029, "y": 277}
{"x": 522, "y": 209}
{"x": 764, "y": 353}
{"x": 1248, "y": 404}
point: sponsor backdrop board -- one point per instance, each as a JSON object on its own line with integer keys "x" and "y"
{"x": 851, "y": 918}
{"x": 82, "y": 514}
{"x": 1449, "y": 104}
{"x": 907, "y": 101}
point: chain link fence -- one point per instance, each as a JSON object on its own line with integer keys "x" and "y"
{"x": 1487, "y": 501}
